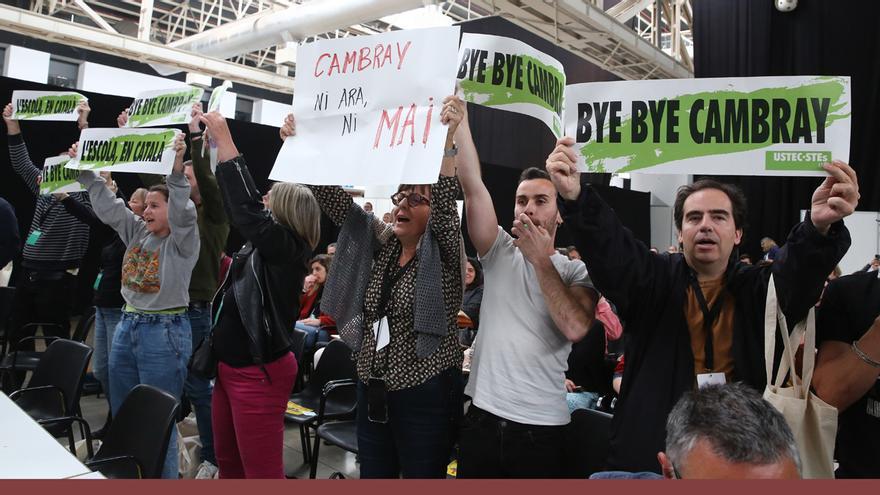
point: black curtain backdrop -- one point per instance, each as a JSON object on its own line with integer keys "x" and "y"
{"x": 508, "y": 142}
{"x": 752, "y": 38}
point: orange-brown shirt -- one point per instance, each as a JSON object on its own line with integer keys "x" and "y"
{"x": 722, "y": 329}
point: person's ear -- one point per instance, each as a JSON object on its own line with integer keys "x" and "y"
{"x": 666, "y": 466}
{"x": 739, "y": 236}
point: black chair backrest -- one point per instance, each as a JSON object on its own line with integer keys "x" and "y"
{"x": 64, "y": 365}
{"x": 298, "y": 344}
{"x": 85, "y": 325}
{"x": 588, "y": 443}
{"x": 7, "y": 294}
{"x": 335, "y": 364}
{"x": 141, "y": 429}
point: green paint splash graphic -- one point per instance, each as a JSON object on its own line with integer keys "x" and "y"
{"x": 648, "y": 154}
{"x": 48, "y": 101}
{"x": 487, "y": 94}
{"x": 166, "y": 138}
{"x": 141, "y": 119}
{"x": 57, "y": 177}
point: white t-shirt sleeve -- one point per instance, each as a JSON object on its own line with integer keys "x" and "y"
{"x": 576, "y": 275}
{"x": 502, "y": 247}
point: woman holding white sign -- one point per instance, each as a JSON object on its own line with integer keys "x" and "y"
{"x": 152, "y": 342}
{"x": 385, "y": 293}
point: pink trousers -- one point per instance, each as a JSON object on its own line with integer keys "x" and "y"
{"x": 248, "y": 415}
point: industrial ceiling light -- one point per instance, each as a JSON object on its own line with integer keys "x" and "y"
{"x": 785, "y": 5}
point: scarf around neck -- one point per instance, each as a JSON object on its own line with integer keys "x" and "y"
{"x": 360, "y": 238}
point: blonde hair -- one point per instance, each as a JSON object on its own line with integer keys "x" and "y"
{"x": 140, "y": 193}
{"x": 295, "y": 206}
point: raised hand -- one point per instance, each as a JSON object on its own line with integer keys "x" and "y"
{"x": 84, "y": 109}
{"x": 219, "y": 131}
{"x": 562, "y": 166}
{"x": 836, "y": 198}
{"x": 532, "y": 240}
{"x": 12, "y": 126}
{"x": 122, "y": 119}
{"x": 289, "y": 127}
{"x": 454, "y": 113}
{"x": 179, "y": 150}
{"x": 71, "y": 152}
{"x": 196, "y": 114}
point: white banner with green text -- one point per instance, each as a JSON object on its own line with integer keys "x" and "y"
{"x": 723, "y": 126}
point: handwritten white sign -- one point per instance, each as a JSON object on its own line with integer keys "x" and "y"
{"x": 368, "y": 109}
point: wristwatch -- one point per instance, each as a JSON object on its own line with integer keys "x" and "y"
{"x": 450, "y": 152}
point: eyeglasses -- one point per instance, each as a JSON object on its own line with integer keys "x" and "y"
{"x": 413, "y": 198}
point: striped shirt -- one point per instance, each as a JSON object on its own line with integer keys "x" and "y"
{"x": 63, "y": 239}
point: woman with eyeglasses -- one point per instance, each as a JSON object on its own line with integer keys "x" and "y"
{"x": 395, "y": 290}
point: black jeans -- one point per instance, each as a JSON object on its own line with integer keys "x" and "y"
{"x": 418, "y": 437}
{"x": 493, "y": 447}
{"x": 42, "y": 297}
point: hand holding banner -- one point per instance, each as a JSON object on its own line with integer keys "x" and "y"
{"x": 510, "y": 75}
{"x": 149, "y": 151}
{"x": 55, "y": 178}
{"x": 368, "y": 109}
{"x": 724, "y": 126}
{"x": 217, "y": 96}
{"x": 46, "y": 105}
{"x": 163, "y": 107}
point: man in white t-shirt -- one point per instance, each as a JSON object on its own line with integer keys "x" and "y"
{"x": 536, "y": 302}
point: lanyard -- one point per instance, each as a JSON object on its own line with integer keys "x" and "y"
{"x": 709, "y": 316}
{"x": 389, "y": 280}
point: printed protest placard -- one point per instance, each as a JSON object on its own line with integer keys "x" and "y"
{"x": 163, "y": 107}
{"x": 217, "y": 96}
{"x": 724, "y": 126}
{"x": 148, "y": 151}
{"x": 368, "y": 109}
{"x": 55, "y": 178}
{"x": 510, "y": 75}
{"x": 46, "y": 105}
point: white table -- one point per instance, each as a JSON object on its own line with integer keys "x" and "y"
{"x": 27, "y": 451}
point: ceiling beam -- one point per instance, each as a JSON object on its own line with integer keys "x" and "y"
{"x": 58, "y": 31}
{"x": 94, "y": 16}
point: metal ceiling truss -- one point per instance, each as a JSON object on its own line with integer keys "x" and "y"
{"x": 634, "y": 39}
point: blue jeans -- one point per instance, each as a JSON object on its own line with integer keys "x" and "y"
{"x": 152, "y": 349}
{"x": 418, "y": 437}
{"x": 106, "y": 320}
{"x": 199, "y": 390}
{"x": 313, "y": 335}
{"x": 581, "y": 400}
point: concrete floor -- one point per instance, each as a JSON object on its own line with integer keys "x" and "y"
{"x": 331, "y": 459}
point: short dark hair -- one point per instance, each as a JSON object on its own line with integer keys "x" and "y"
{"x": 734, "y": 193}
{"x": 159, "y": 188}
{"x": 533, "y": 173}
